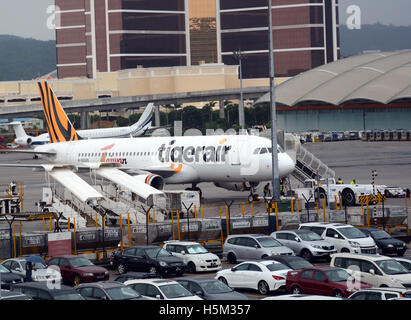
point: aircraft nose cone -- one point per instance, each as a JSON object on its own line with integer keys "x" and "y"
{"x": 287, "y": 165}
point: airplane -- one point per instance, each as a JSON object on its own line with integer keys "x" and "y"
{"x": 141, "y": 127}
{"x": 145, "y": 165}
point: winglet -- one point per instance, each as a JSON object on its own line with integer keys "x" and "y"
{"x": 58, "y": 124}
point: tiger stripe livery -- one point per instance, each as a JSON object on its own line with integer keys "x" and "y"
{"x": 59, "y": 126}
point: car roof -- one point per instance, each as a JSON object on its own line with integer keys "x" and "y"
{"x": 44, "y": 286}
{"x": 194, "y": 279}
{"x": 9, "y": 294}
{"x": 183, "y": 243}
{"x": 156, "y": 281}
{"x": 374, "y": 257}
{"x": 143, "y": 247}
{"x": 68, "y": 256}
{"x": 387, "y": 289}
{"x": 253, "y": 235}
{"x": 102, "y": 284}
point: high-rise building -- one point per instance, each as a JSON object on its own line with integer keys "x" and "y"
{"x": 110, "y": 35}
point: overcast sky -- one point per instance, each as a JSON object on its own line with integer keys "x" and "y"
{"x": 28, "y": 18}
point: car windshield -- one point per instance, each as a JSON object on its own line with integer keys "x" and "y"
{"x": 122, "y": 293}
{"x": 352, "y": 233}
{"x": 196, "y": 249}
{"x": 157, "y": 252}
{"x": 69, "y": 296}
{"x": 391, "y": 266}
{"x": 213, "y": 287}
{"x": 276, "y": 266}
{"x": 36, "y": 266}
{"x": 175, "y": 291}
{"x": 309, "y": 236}
{"x": 299, "y": 264}
{"x": 80, "y": 262}
{"x": 380, "y": 235}
{"x": 3, "y": 269}
{"x": 268, "y": 242}
{"x": 337, "y": 275}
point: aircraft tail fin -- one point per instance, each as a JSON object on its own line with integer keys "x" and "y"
{"x": 145, "y": 120}
{"x": 58, "y": 124}
{"x": 18, "y": 129}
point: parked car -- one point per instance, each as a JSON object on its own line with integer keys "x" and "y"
{"x": 386, "y": 244}
{"x": 136, "y": 275}
{"x": 107, "y": 290}
{"x": 43, "y": 291}
{"x": 161, "y": 289}
{"x": 76, "y": 269}
{"x": 40, "y": 271}
{"x": 345, "y": 237}
{"x": 244, "y": 247}
{"x": 380, "y": 294}
{"x": 325, "y": 281}
{"x": 263, "y": 276}
{"x": 292, "y": 262}
{"x": 7, "y": 278}
{"x": 305, "y": 243}
{"x": 379, "y": 271}
{"x": 210, "y": 289}
{"x": 153, "y": 259}
{"x": 195, "y": 256}
{"x": 405, "y": 261}
{"x": 10, "y": 295}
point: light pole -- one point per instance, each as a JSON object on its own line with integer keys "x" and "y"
{"x": 275, "y": 177}
{"x": 239, "y": 56}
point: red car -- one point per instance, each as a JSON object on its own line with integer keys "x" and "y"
{"x": 77, "y": 269}
{"x": 324, "y": 281}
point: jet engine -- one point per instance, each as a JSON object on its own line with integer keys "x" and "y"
{"x": 26, "y": 141}
{"x": 152, "y": 180}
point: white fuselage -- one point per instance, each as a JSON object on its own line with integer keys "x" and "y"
{"x": 193, "y": 159}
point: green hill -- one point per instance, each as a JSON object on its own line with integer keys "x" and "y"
{"x": 25, "y": 58}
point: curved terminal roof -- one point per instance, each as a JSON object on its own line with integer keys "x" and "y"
{"x": 380, "y": 77}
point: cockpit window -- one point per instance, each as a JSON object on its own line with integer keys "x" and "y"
{"x": 280, "y": 150}
{"x": 263, "y": 150}
{"x": 257, "y": 151}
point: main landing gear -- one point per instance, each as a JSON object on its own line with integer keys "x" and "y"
{"x": 253, "y": 196}
{"x": 195, "y": 188}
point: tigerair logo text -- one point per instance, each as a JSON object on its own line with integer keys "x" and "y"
{"x": 191, "y": 154}
{"x": 112, "y": 159}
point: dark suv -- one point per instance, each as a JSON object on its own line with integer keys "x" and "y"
{"x": 153, "y": 259}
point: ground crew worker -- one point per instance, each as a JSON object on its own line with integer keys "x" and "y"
{"x": 282, "y": 187}
{"x": 339, "y": 181}
{"x": 353, "y": 181}
{"x": 267, "y": 191}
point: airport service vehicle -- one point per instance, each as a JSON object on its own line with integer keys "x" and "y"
{"x": 144, "y": 165}
{"x": 241, "y": 247}
{"x": 385, "y": 242}
{"x": 380, "y": 294}
{"x": 393, "y": 192}
{"x": 40, "y": 271}
{"x": 76, "y": 269}
{"x": 305, "y": 243}
{"x": 325, "y": 281}
{"x": 379, "y": 271}
{"x": 292, "y": 262}
{"x": 345, "y": 237}
{"x": 8, "y": 278}
{"x": 153, "y": 259}
{"x": 107, "y": 290}
{"x": 263, "y": 276}
{"x": 195, "y": 256}
{"x": 137, "y": 129}
{"x": 210, "y": 289}
{"x": 43, "y": 291}
{"x": 329, "y": 190}
{"x": 161, "y": 289}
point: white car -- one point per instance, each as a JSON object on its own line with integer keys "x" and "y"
{"x": 40, "y": 272}
{"x": 161, "y": 289}
{"x": 263, "y": 276}
{"x": 195, "y": 256}
{"x": 379, "y": 271}
{"x": 344, "y": 237}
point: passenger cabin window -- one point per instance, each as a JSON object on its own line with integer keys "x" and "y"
{"x": 256, "y": 151}
{"x": 263, "y": 150}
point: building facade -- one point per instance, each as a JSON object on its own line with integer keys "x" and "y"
{"x": 110, "y": 35}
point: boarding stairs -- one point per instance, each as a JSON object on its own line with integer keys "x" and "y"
{"x": 69, "y": 213}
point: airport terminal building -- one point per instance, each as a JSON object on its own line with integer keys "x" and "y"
{"x": 111, "y": 35}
